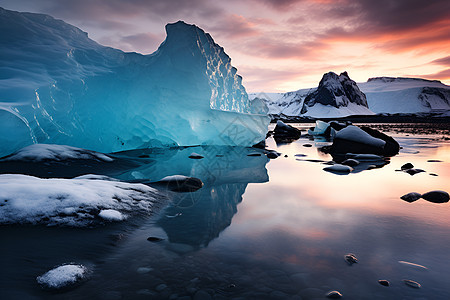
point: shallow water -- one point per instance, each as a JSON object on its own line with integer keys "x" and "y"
{"x": 258, "y": 229}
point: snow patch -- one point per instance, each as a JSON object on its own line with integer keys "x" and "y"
{"x": 62, "y": 276}
{"x": 40, "y": 152}
{"x": 71, "y": 202}
{"x": 111, "y": 215}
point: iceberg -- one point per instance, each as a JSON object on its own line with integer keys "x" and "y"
{"x": 57, "y": 86}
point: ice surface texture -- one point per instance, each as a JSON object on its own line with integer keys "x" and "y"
{"x": 58, "y": 86}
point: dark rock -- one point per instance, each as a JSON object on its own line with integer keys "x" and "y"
{"x": 331, "y": 87}
{"x": 436, "y": 196}
{"x": 284, "y": 133}
{"x": 414, "y": 171}
{"x": 383, "y": 282}
{"x": 307, "y": 145}
{"x": 351, "y": 259}
{"x": 179, "y": 183}
{"x": 196, "y": 156}
{"x": 273, "y": 154}
{"x": 334, "y": 295}
{"x": 300, "y": 155}
{"x": 345, "y": 142}
{"x": 434, "y": 160}
{"x": 407, "y": 166}
{"x": 433, "y": 174}
{"x": 411, "y": 197}
{"x": 350, "y": 162}
{"x": 254, "y": 154}
{"x": 154, "y": 239}
{"x": 260, "y": 145}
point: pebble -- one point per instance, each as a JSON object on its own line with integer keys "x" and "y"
{"x": 412, "y": 283}
{"x": 383, "y": 282}
{"x": 273, "y": 154}
{"x": 307, "y": 145}
{"x": 433, "y": 174}
{"x": 434, "y": 160}
{"x": 411, "y": 197}
{"x": 154, "y": 239}
{"x": 436, "y": 196}
{"x": 351, "y": 259}
{"x": 300, "y": 155}
{"x": 334, "y": 295}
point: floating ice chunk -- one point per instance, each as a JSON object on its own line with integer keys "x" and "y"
{"x": 111, "y": 215}
{"x": 62, "y": 276}
{"x": 40, "y": 152}
{"x": 320, "y": 128}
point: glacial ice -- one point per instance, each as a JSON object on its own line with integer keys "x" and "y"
{"x": 57, "y": 86}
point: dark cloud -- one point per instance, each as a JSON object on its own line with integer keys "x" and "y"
{"x": 107, "y": 9}
{"x": 444, "y": 61}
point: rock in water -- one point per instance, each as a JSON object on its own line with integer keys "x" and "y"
{"x": 154, "y": 239}
{"x": 407, "y": 166}
{"x": 338, "y": 169}
{"x": 383, "y": 282}
{"x": 364, "y": 140}
{"x": 284, "y": 133}
{"x": 351, "y": 259}
{"x": 411, "y": 197}
{"x": 436, "y": 196}
{"x": 180, "y": 183}
{"x": 414, "y": 171}
{"x": 334, "y": 295}
{"x": 350, "y": 162}
{"x": 412, "y": 283}
{"x": 99, "y": 98}
{"x": 196, "y": 156}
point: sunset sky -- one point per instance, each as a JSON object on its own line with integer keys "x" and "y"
{"x": 280, "y": 45}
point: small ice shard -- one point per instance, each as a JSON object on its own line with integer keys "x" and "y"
{"x": 350, "y": 162}
{"x": 407, "y": 166}
{"x": 321, "y": 128}
{"x": 195, "y": 156}
{"x": 413, "y": 265}
{"x": 436, "y": 196}
{"x": 334, "y": 295}
{"x": 338, "y": 169}
{"x": 351, "y": 259}
{"x": 63, "y": 276}
{"x": 412, "y": 283}
{"x": 383, "y": 282}
{"x": 411, "y": 197}
{"x": 111, "y": 215}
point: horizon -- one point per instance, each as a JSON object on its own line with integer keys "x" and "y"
{"x": 280, "y": 46}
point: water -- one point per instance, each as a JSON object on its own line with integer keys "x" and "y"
{"x": 258, "y": 229}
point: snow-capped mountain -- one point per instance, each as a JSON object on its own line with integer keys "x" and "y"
{"x": 389, "y": 95}
{"x": 384, "y": 95}
{"x": 336, "y": 96}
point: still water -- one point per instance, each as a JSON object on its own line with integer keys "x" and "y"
{"x": 258, "y": 229}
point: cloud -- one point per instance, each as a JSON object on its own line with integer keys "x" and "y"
{"x": 234, "y": 26}
{"x": 444, "y": 61}
{"x": 441, "y": 75}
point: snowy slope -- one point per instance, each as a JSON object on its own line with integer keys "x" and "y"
{"x": 58, "y": 86}
{"x": 385, "y": 95}
{"x": 406, "y": 95}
